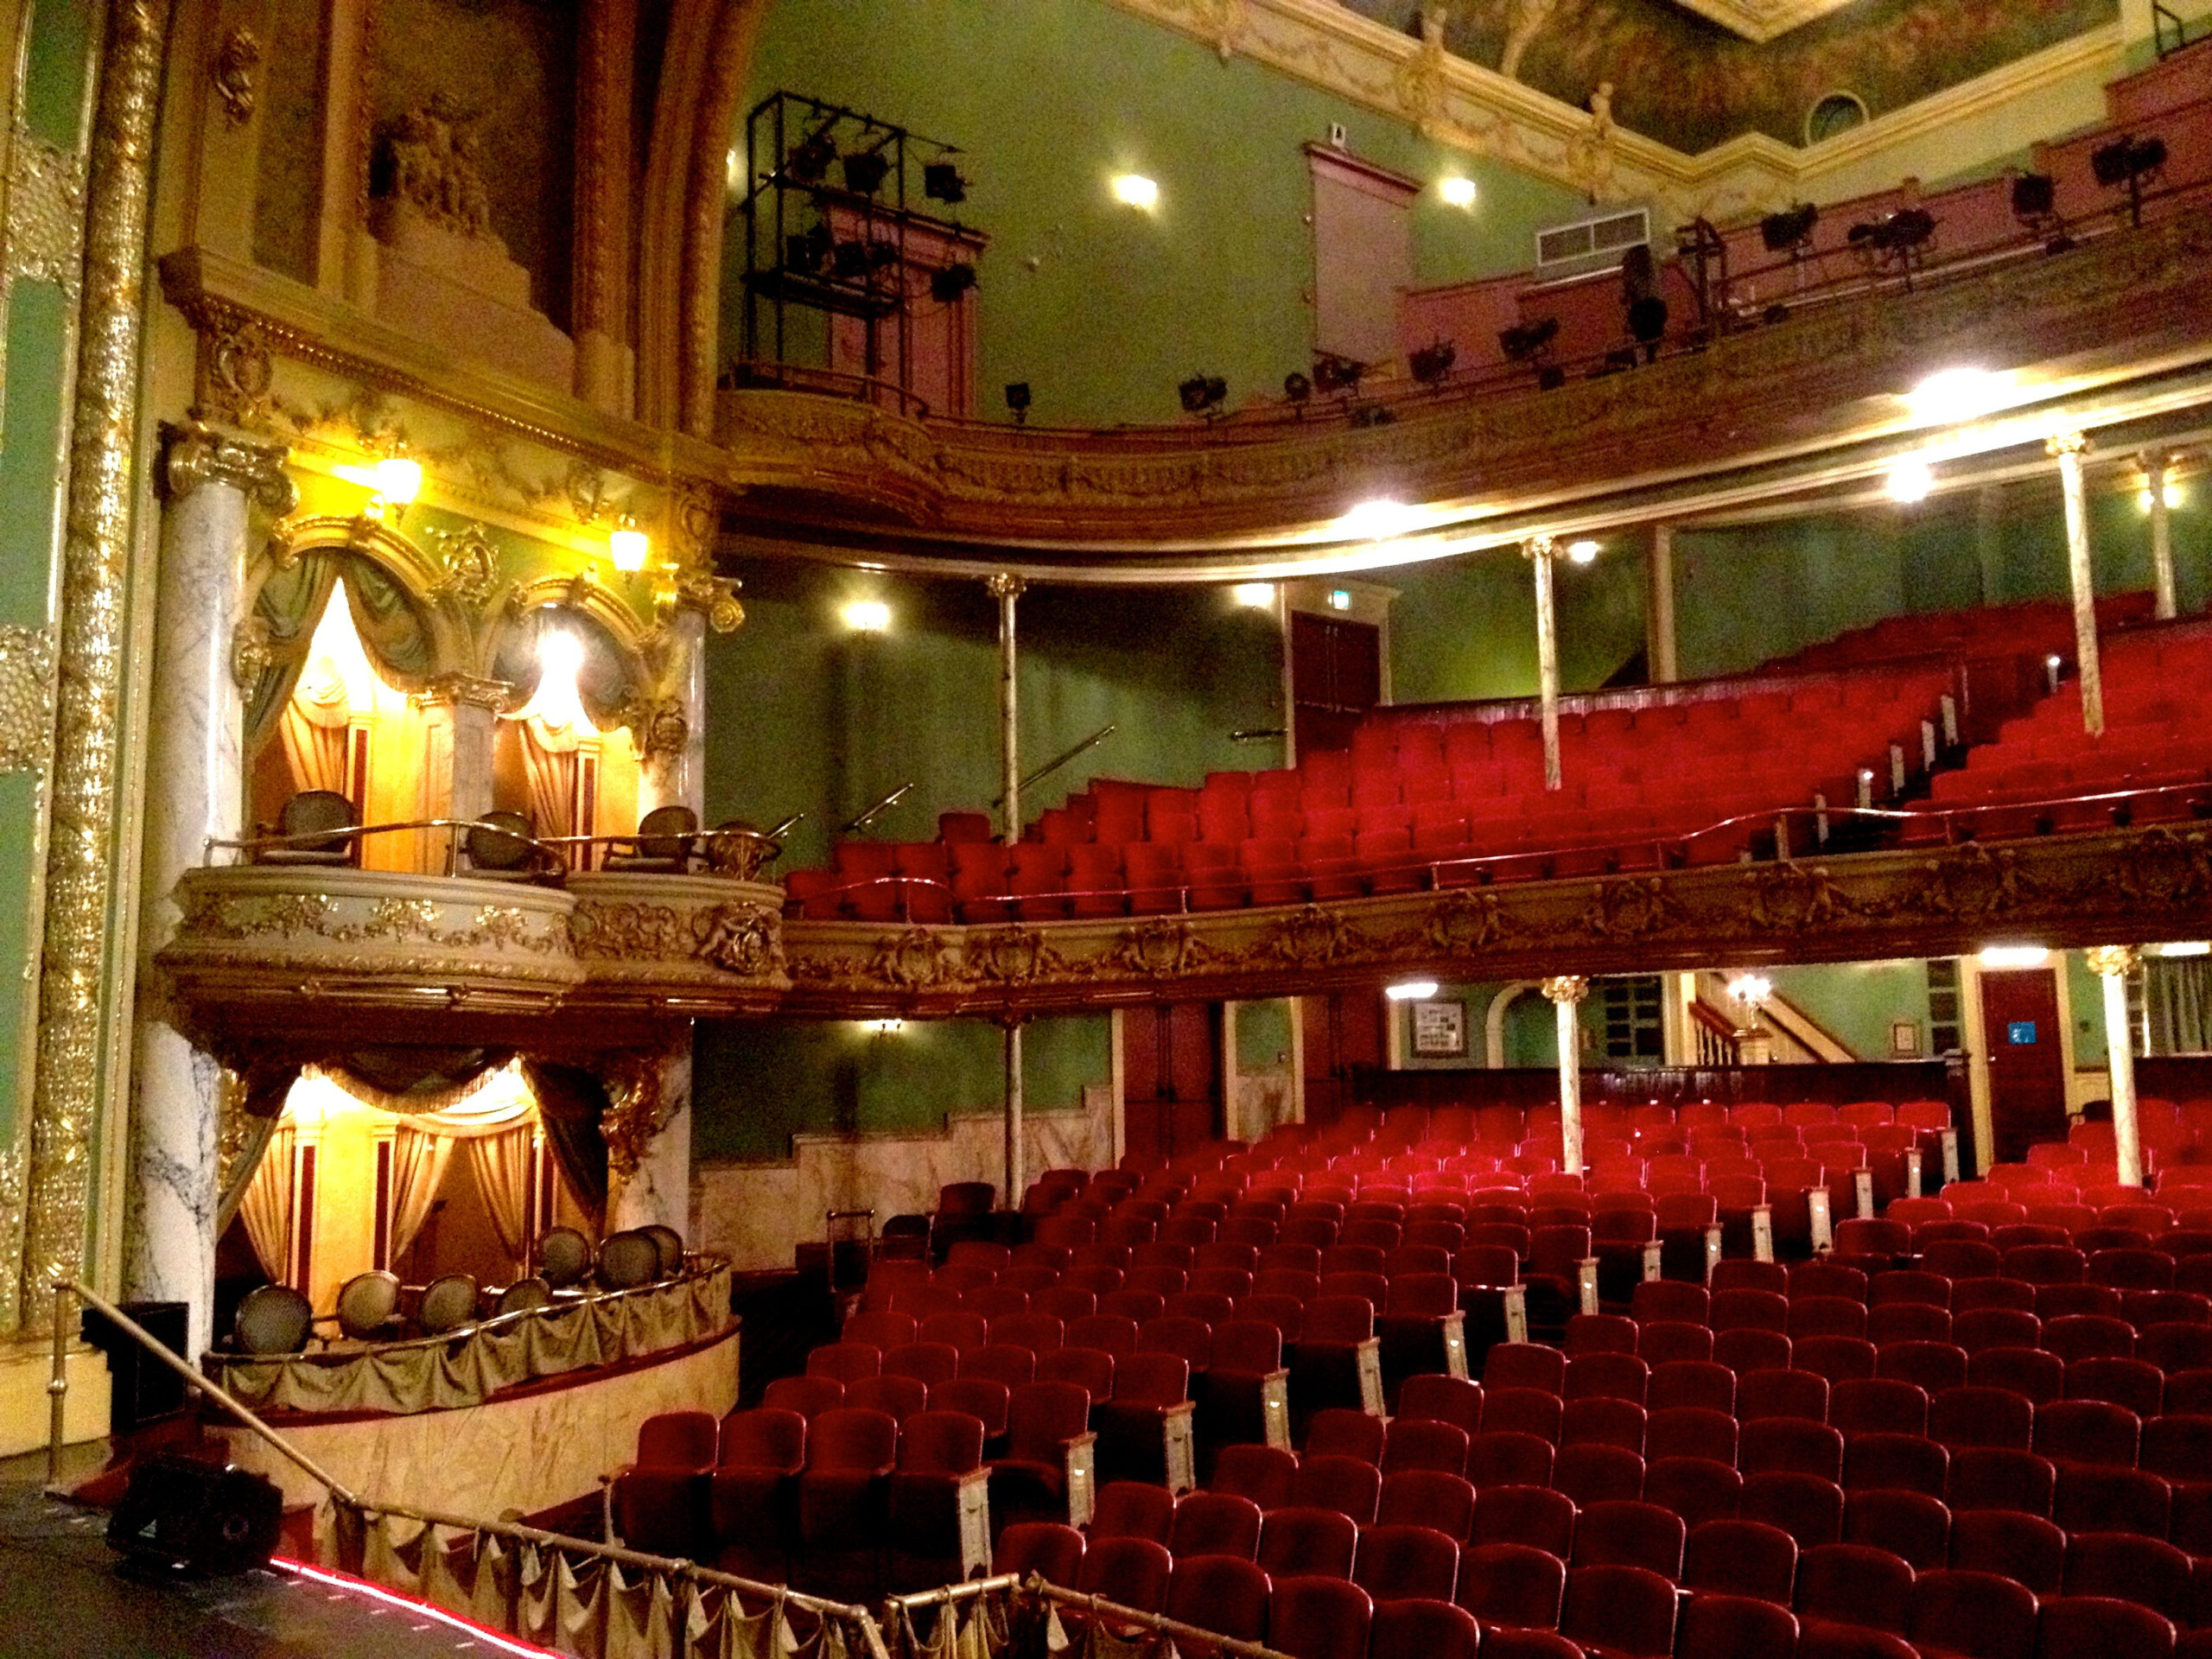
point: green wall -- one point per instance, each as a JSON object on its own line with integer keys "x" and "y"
{"x": 756, "y": 1083}
{"x": 1855, "y": 1001}
{"x": 1466, "y": 627}
{"x": 1101, "y": 308}
{"x": 1530, "y": 1029}
{"x": 1263, "y": 1035}
{"x": 804, "y": 714}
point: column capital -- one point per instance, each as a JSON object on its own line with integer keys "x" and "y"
{"x": 709, "y": 595}
{"x": 1567, "y": 988}
{"x": 465, "y": 688}
{"x": 2113, "y": 961}
{"x": 1539, "y": 546}
{"x": 1004, "y": 585}
{"x": 2066, "y": 443}
{"x": 194, "y": 453}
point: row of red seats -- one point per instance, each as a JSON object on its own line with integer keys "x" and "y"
{"x": 2023, "y": 627}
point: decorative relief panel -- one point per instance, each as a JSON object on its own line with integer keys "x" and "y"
{"x": 46, "y": 212}
{"x": 26, "y": 699}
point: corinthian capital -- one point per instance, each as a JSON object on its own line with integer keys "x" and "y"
{"x": 2111, "y": 961}
{"x": 194, "y": 454}
{"x": 1004, "y": 584}
{"x": 1565, "y": 988}
{"x": 2066, "y": 443}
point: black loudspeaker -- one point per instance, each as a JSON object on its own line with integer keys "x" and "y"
{"x": 200, "y": 1518}
{"x": 142, "y": 1388}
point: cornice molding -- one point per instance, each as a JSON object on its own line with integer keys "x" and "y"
{"x": 1471, "y": 107}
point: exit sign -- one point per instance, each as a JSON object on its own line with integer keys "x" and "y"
{"x": 2020, "y": 1032}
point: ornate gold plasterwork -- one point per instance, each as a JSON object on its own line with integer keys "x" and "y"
{"x": 714, "y": 597}
{"x": 2162, "y": 868}
{"x": 744, "y": 939}
{"x": 80, "y": 877}
{"x": 235, "y": 374}
{"x": 431, "y": 161}
{"x": 1565, "y": 988}
{"x": 236, "y": 59}
{"x": 46, "y": 212}
{"x": 658, "y": 726}
{"x": 2113, "y": 961}
{"x": 736, "y": 936}
{"x": 26, "y": 699}
{"x": 1632, "y": 907}
{"x": 212, "y": 914}
{"x": 194, "y": 454}
{"x": 472, "y": 561}
{"x": 638, "y": 1110}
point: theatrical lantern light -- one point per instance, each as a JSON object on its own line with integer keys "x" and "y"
{"x": 1431, "y": 363}
{"x": 1135, "y": 190}
{"x": 1202, "y": 394}
{"x": 941, "y": 181}
{"x": 2014, "y": 955}
{"x": 1297, "y": 387}
{"x": 1582, "y": 552}
{"x": 628, "y": 547}
{"x": 1909, "y": 481}
{"x": 949, "y": 283}
{"x": 865, "y": 171}
{"x": 1456, "y": 191}
{"x": 1017, "y": 400}
{"x": 867, "y": 616}
{"x": 1254, "y": 596}
{"x": 1411, "y": 990}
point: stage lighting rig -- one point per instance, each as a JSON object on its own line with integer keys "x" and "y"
{"x": 1203, "y": 395}
{"x": 2130, "y": 163}
{"x": 1431, "y": 363}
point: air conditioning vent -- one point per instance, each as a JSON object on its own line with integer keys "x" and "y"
{"x": 1591, "y": 243}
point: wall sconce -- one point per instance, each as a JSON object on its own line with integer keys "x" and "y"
{"x": 867, "y": 616}
{"x": 1750, "y": 991}
{"x": 629, "y": 547}
{"x": 886, "y": 1028}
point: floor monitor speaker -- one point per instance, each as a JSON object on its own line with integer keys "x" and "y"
{"x": 205, "y": 1519}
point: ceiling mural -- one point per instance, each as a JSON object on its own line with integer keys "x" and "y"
{"x": 1677, "y": 75}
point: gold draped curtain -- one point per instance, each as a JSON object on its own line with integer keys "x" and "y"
{"x": 268, "y": 1204}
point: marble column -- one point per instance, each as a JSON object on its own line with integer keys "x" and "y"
{"x": 1659, "y": 653}
{"x": 1566, "y": 992}
{"x": 1006, "y": 589}
{"x": 461, "y": 715}
{"x": 195, "y": 792}
{"x": 2068, "y": 448}
{"x": 674, "y": 772}
{"x": 2112, "y": 963}
{"x": 1540, "y": 551}
{"x": 2156, "y": 471}
{"x": 1017, "y": 1178}
{"x": 649, "y": 1145}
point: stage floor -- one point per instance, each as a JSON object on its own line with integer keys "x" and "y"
{"x": 64, "y": 1592}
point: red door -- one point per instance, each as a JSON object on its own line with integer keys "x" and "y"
{"x": 1171, "y": 1079}
{"x": 1336, "y": 676}
{"x": 2027, "y": 1067}
{"x": 1343, "y": 1030}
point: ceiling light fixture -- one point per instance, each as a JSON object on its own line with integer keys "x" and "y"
{"x": 1412, "y": 991}
{"x": 1135, "y": 190}
{"x": 2186, "y": 948}
{"x": 1954, "y": 394}
{"x": 1752, "y": 991}
{"x": 1456, "y": 191}
{"x": 867, "y": 616}
{"x": 1377, "y": 520}
{"x": 1909, "y": 481}
{"x": 2014, "y": 955}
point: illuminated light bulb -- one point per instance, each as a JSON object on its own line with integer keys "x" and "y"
{"x": 2014, "y": 955}
{"x": 399, "y": 480}
{"x": 1135, "y": 190}
{"x": 1751, "y": 989}
{"x": 1258, "y": 596}
{"x": 1910, "y": 481}
{"x": 1959, "y": 394}
{"x": 1378, "y": 520}
{"x": 886, "y": 1028}
{"x": 1456, "y": 191}
{"x": 867, "y": 616}
{"x": 1582, "y": 552}
{"x": 1414, "y": 990}
{"x": 629, "y": 547}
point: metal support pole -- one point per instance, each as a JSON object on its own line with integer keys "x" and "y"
{"x": 1006, "y": 589}
{"x": 1539, "y": 551}
{"x": 2112, "y": 963}
{"x": 1016, "y": 1176}
{"x": 2068, "y": 447}
{"x": 57, "y": 1388}
{"x": 1566, "y": 991}
{"x": 1659, "y": 607}
{"x": 2155, "y": 473}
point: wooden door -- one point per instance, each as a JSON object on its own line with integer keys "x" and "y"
{"x": 1343, "y": 1030}
{"x": 2027, "y": 1065}
{"x": 1171, "y": 1079}
{"x": 1336, "y": 676}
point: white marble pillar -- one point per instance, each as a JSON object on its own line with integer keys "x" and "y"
{"x": 1566, "y": 992}
{"x": 1017, "y": 1176}
{"x": 2068, "y": 448}
{"x": 2112, "y": 963}
{"x": 1539, "y": 551}
{"x": 194, "y": 792}
{"x": 675, "y": 773}
{"x": 2156, "y": 471}
{"x": 658, "y": 1189}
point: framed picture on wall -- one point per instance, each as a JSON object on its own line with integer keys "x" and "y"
{"x": 1905, "y": 1037}
{"x": 1439, "y": 1031}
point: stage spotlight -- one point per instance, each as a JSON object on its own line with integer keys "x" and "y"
{"x": 1788, "y": 231}
{"x": 1526, "y": 342}
{"x": 941, "y": 182}
{"x": 1297, "y": 387}
{"x": 2034, "y": 194}
{"x": 2129, "y": 164}
{"x": 865, "y": 171}
{"x": 805, "y": 255}
{"x": 849, "y": 260}
{"x": 1017, "y": 399}
{"x": 1431, "y": 363}
{"x": 1202, "y": 394}
{"x": 949, "y": 283}
{"x": 1898, "y": 239}
{"x": 1333, "y": 373}
{"x": 809, "y": 159}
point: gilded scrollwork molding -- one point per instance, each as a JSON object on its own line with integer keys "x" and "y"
{"x": 713, "y": 597}
{"x": 72, "y": 1075}
{"x": 740, "y": 938}
{"x": 46, "y": 212}
{"x": 231, "y": 71}
{"x": 2113, "y": 961}
{"x": 195, "y": 455}
{"x": 472, "y": 561}
{"x": 26, "y": 699}
{"x": 1565, "y": 988}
